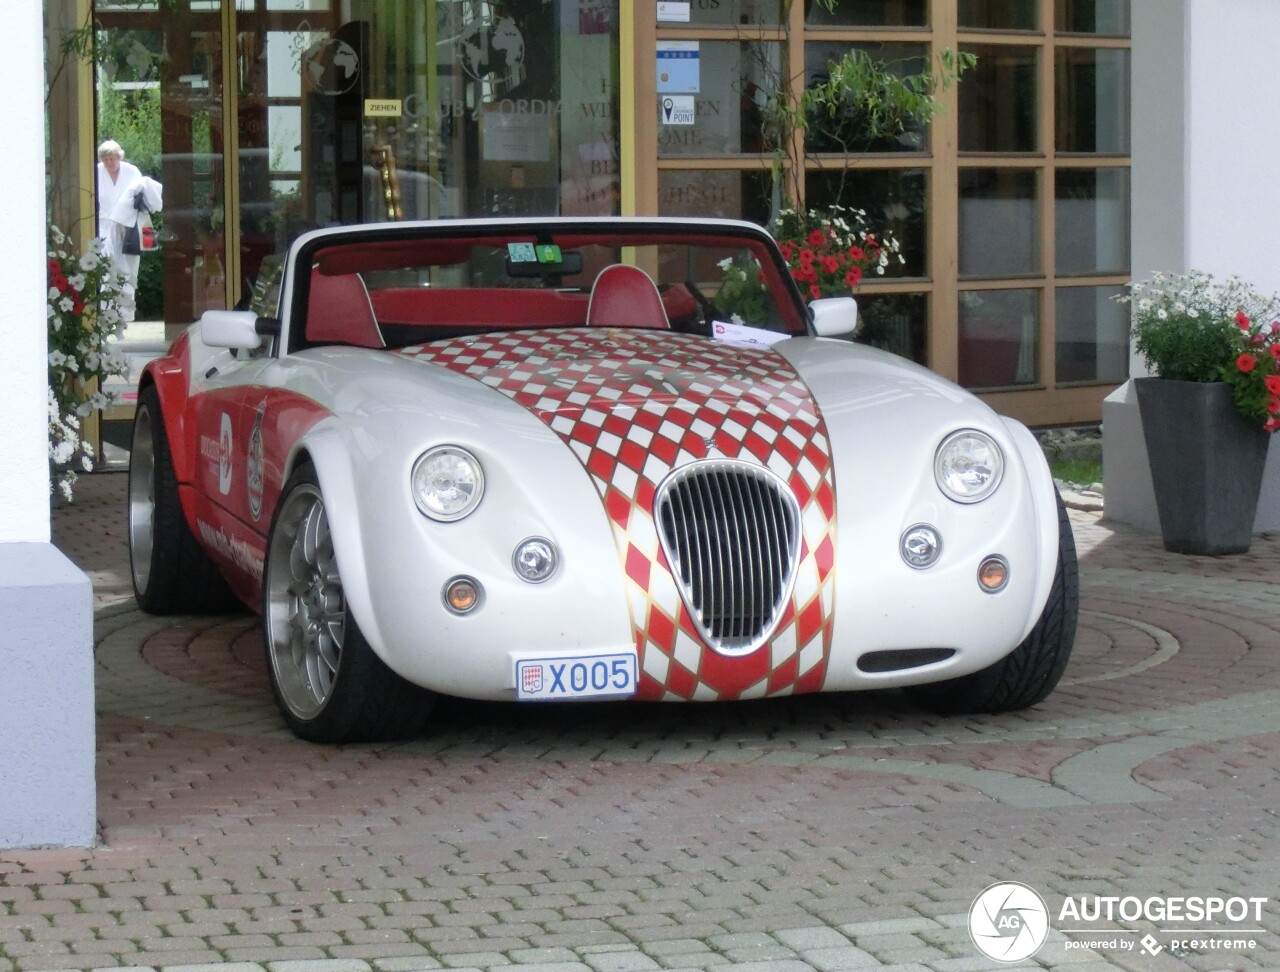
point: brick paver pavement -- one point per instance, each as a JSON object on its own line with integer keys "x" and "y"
{"x": 831, "y": 832}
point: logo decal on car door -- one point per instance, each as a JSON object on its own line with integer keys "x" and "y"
{"x": 224, "y": 456}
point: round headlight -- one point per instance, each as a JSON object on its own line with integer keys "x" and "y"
{"x": 920, "y": 546}
{"x": 447, "y": 483}
{"x": 968, "y": 466}
{"x": 535, "y": 560}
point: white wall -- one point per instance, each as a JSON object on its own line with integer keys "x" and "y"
{"x": 1233, "y": 147}
{"x": 24, "y": 489}
{"x": 47, "y": 794}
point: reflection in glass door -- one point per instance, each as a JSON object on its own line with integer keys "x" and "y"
{"x": 376, "y": 110}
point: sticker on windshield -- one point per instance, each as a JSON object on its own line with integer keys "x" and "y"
{"x": 743, "y": 336}
{"x": 549, "y": 253}
{"x": 521, "y": 253}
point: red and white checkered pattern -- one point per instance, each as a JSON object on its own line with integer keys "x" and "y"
{"x": 633, "y": 405}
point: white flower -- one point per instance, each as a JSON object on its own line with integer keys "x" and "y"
{"x": 726, "y": 263}
{"x": 90, "y": 260}
{"x": 73, "y": 365}
{"x": 86, "y": 464}
{"x": 57, "y": 359}
{"x": 66, "y": 303}
{"x": 77, "y": 281}
{"x": 65, "y": 486}
{"x": 1162, "y": 314}
{"x": 1144, "y": 304}
{"x": 1193, "y": 314}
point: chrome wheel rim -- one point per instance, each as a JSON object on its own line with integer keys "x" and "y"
{"x": 142, "y": 499}
{"x": 306, "y": 612}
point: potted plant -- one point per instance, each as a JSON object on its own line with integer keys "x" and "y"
{"x": 1214, "y": 352}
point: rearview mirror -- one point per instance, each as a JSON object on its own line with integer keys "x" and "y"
{"x": 834, "y": 316}
{"x": 230, "y": 329}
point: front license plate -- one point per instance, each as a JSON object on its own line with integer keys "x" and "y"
{"x": 608, "y": 676}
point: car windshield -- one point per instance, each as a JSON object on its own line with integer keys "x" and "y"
{"x": 394, "y": 289}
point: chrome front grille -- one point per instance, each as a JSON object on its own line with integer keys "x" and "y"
{"x": 731, "y": 532}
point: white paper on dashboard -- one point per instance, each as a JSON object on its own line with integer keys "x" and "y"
{"x": 744, "y": 336}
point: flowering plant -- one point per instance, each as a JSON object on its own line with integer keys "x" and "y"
{"x": 1190, "y": 327}
{"x": 830, "y": 251}
{"x": 83, "y": 314}
{"x": 827, "y": 252}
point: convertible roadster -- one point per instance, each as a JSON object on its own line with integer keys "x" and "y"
{"x": 561, "y": 459}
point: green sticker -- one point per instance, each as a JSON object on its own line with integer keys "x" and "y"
{"x": 549, "y": 253}
{"x": 522, "y": 253}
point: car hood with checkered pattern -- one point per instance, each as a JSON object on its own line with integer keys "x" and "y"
{"x": 633, "y": 405}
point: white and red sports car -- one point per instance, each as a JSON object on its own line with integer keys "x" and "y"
{"x": 565, "y": 459}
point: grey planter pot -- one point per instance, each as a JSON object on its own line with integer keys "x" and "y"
{"x": 1206, "y": 464}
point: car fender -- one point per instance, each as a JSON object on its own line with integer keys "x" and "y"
{"x": 170, "y": 376}
{"x": 330, "y": 454}
{"x": 1040, "y": 480}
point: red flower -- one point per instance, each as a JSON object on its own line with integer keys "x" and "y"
{"x": 1273, "y": 384}
{"x": 1273, "y": 405}
{"x": 810, "y": 274}
{"x": 853, "y": 277}
{"x": 1242, "y": 321}
{"x": 817, "y": 238}
{"x": 77, "y": 307}
{"x": 856, "y": 253}
{"x": 806, "y": 257}
{"x": 1271, "y": 424}
{"x": 788, "y": 251}
{"x": 815, "y": 291}
{"x": 1275, "y": 351}
{"x": 1246, "y": 362}
{"x": 830, "y": 264}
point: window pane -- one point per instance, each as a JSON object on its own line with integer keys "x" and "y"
{"x": 1109, "y": 17}
{"x": 895, "y": 322}
{"x": 1092, "y": 100}
{"x": 998, "y": 14}
{"x": 735, "y": 81}
{"x": 847, "y": 132}
{"x": 721, "y": 13}
{"x": 1092, "y": 334}
{"x": 1091, "y": 212}
{"x": 724, "y": 193}
{"x": 999, "y": 338}
{"x": 999, "y": 223}
{"x": 894, "y": 201}
{"x": 870, "y": 13}
{"x": 998, "y": 100}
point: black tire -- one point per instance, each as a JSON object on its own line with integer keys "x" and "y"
{"x": 171, "y": 572}
{"x": 1028, "y": 674}
{"x": 330, "y": 685}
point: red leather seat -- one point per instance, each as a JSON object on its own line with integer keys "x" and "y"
{"x": 339, "y": 312}
{"x": 625, "y": 296}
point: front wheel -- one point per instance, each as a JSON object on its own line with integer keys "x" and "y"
{"x": 327, "y": 680}
{"x": 1029, "y": 673}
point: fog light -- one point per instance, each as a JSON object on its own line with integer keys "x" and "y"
{"x": 461, "y": 595}
{"x": 993, "y": 574}
{"x": 535, "y": 559}
{"x": 921, "y": 546}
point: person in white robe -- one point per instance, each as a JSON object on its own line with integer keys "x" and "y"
{"x": 123, "y": 192}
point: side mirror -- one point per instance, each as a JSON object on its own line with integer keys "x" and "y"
{"x": 834, "y": 317}
{"x": 230, "y": 329}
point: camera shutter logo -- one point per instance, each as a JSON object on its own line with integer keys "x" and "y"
{"x": 1008, "y": 922}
